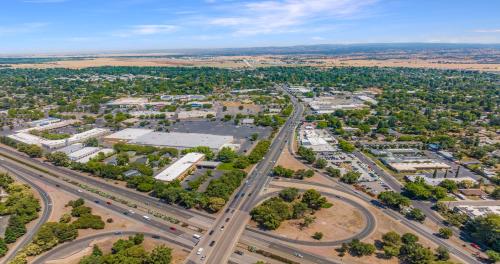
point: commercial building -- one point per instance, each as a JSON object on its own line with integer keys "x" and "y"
{"x": 51, "y": 144}
{"x": 126, "y": 135}
{"x": 43, "y": 122}
{"x": 105, "y": 151}
{"x": 414, "y": 165}
{"x": 183, "y": 97}
{"x": 180, "y": 168}
{"x": 183, "y": 140}
{"x": 147, "y": 113}
{"x": 48, "y": 126}
{"x": 71, "y": 148}
{"x": 316, "y": 139}
{"x": 84, "y": 152}
{"x": 474, "y": 211}
{"x": 437, "y": 181}
{"x": 129, "y": 102}
{"x": 327, "y": 105}
{"x": 195, "y": 114}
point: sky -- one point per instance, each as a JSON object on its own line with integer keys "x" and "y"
{"x": 44, "y": 26}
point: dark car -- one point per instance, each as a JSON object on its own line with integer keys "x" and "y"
{"x": 211, "y": 232}
{"x": 108, "y": 202}
{"x": 239, "y": 252}
{"x": 96, "y": 201}
{"x": 173, "y": 228}
{"x": 212, "y": 243}
{"x": 227, "y": 219}
{"x": 155, "y": 236}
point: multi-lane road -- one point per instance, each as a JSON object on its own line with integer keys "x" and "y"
{"x": 219, "y": 244}
{"x": 47, "y": 210}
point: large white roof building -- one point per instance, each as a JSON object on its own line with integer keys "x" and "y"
{"x": 180, "y": 167}
{"x": 129, "y": 134}
{"x": 183, "y": 140}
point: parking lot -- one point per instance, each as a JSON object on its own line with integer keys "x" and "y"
{"x": 240, "y": 133}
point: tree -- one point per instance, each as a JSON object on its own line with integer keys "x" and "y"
{"x": 289, "y": 194}
{"x": 333, "y": 172}
{"x": 409, "y": 238}
{"x": 391, "y": 238}
{"x": 299, "y": 209}
{"x": 350, "y": 177}
{"x": 241, "y": 162}
{"x": 58, "y": 158}
{"x": 308, "y": 220}
{"x": 442, "y": 253}
{"x": 445, "y": 232}
{"x": 416, "y": 214}
{"x": 359, "y": 249}
{"x": 496, "y": 194}
{"x": 485, "y": 230}
{"x": 226, "y": 154}
{"x": 321, "y": 163}
{"x": 91, "y": 142}
{"x": 160, "y": 255}
{"x": 318, "y": 235}
{"x": 346, "y": 146}
{"x": 254, "y": 136}
{"x": 3, "y": 247}
{"x": 415, "y": 253}
{"x": 493, "y": 256}
{"x": 313, "y": 199}
{"x": 307, "y": 154}
{"x": 122, "y": 159}
{"x": 449, "y": 185}
{"x": 394, "y": 200}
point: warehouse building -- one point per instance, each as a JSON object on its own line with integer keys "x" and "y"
{"x": 183, "y": 140}
{"x": 437, "y": 181}
{"x": 105, "y": 151}
{"x": 82, "y": 153}
{"x": 174, "y": 139}
{"x": 126, "y": 135}
{"x": 474, "y": 211}
{"x": 195, "y": 114}
{"x": 180, "y": 168}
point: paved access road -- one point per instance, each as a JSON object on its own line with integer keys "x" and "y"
{"x": 47, "y": 210}
{"x": 178, "y": 236}
{"x": 366, "y": 231}
{"x": 172, "y": 210}
{"x": 230, "y": 225}
{"x": 68, "y": 247}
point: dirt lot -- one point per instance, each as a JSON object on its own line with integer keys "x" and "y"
{"x": 337, "y": 222}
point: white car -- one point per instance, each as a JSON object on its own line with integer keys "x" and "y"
{"x": 199, "y": 251}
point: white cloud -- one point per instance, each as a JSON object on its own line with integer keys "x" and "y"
{"x": 284, "y": 15}
{"x": 496, "y": 30}
{"x": 21, "y": 28}
{"x": 147, "y": 30}
{"x": 44, "y": 1}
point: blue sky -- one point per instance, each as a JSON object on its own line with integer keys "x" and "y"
{"x": 38, "y": 26}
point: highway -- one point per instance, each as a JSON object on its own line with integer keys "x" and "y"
{"x": 176, "y": 235}
{"x": 79, "y": 244}
{"x": 366, "y": 231}
{"x": 178, "y": 212}
{"x": 230, "y": 225}
{"x": 47, "y": 210}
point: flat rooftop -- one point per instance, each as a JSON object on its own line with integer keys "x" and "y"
{"x": 129, "y": 133}
{"x": 179, "y": 167}
{"x": 183, "y": 140}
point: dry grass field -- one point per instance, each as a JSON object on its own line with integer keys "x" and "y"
{"x": 263, "y": 61}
